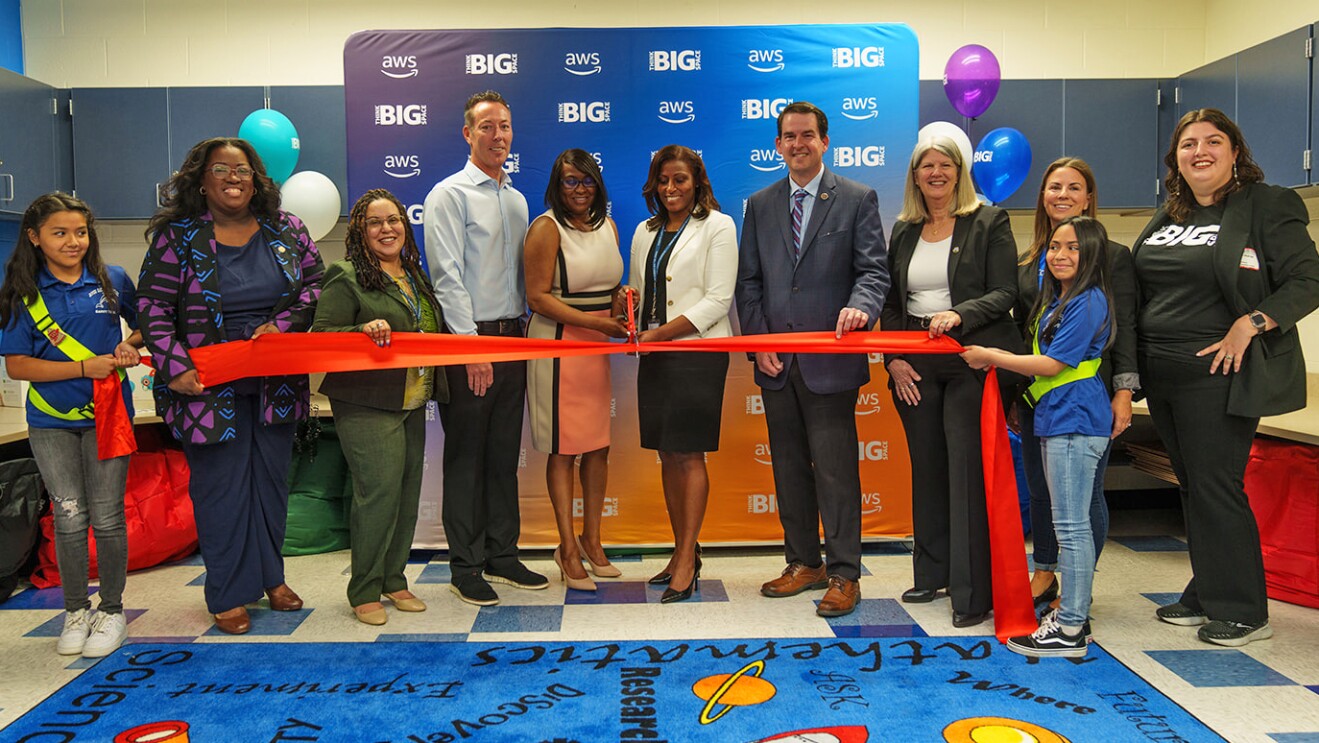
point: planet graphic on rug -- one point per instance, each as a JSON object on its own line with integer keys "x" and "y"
{"x": 740, "y": 689}
{"x": 999, "y": 730}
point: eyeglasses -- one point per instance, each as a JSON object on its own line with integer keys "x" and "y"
{"x": 222, "y": 171}
{"x": 571, "y": 184}
{"x": 394, "y": 223}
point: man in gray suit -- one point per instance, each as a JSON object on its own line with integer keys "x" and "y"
{"x": 812, "y": 258}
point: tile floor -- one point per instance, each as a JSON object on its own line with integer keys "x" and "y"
{"x": 1266, "y": 692}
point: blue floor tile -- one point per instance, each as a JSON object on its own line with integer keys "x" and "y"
{"x": 1314, "y": 689}
{"x": 417, "y": 557}
{"x": 879, "y": 630}
{"x": 193, "y": 559}
{"x": 1295, "y": 737}
{"x": 1151, "y": 544}
{"x": 160, "y": 640}
{"x": 1163, "y": 599}
{"x": 872, "y": 612}
{"x": 434, "y": 573}
{"x": 611, "y": 592}
{"x": 518, "y": 619}
{"x": 708, "y": 591}
{"x": 422, "y": 637}
{"x": 200, "y": 580}
{"x": 886, "y": 548}
{"x": 269, "y": 623}
{"x": 1214, "y": 668}
{"x": 82, "y": 663}
{"x": 48, "y": 598}
{"x": 55, "y": 625}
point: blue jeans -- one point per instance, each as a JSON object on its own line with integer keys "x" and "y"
{"x": 1045, "y": 555}
{"x": 1070, "y": 463}
{"x": 84, "y": 491}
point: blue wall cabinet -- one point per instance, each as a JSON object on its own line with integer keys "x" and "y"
{"x": 1113, "y": 125}
{"x": 120, "y": 149}
{"x": 317, "y": 112}
{"x": 1272, "y": 107}
{"x": 28, "y": 125}
{"x": 197, "y": 114}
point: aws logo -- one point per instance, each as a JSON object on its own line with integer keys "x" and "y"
{"x": 765, "y": 60}
{"x": 582, "y": 63}
{"x": 856, "y": 157}
{"x": 687, "y": 60}
{"x": 872, "y": 451}
{"x": 867, "y": 403}
{"x": 492, "y": 64}
{"x": 401, "y": 114}
{"x": 860, "y": 109}
{"x": 677, "y": 112}
{"x": 513, "y": 163}
{"x": 399, "y": 66}
{"x": 402, "y": 166}
{"x": 766, "y": 160}
{"x": 763, "y": 455}
{"x": 755, "y": 403}
{"x": 584, "y": 112}
{"x": 858, "y": 56}
{"x": 762, "y": 503}
{"x": 871, "y": 503}
{"x": 763, "y": 108}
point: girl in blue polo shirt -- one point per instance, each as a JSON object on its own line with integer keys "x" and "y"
{"x": 1072, "y": 324}
{"x": 60, "y": 308}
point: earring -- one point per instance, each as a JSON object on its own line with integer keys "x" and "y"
{"x": 1234, "y": 174}
{"x": 202, "y": 190}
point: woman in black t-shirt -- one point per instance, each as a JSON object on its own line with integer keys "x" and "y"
{"x": 1225, "y": 271}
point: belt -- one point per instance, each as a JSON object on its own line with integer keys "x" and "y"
{"x": 920, "y": 323}
{"x": 510, "y": 326}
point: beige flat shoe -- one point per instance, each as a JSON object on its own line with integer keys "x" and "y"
{"x": 606, "y": 570}
{"x": 372, "y": 613}
{"x": 407, "y": 602}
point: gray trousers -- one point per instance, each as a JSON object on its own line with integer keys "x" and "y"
{"x": 85, "y": 491}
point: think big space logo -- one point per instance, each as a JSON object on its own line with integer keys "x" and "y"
{"x": 583, "y": 112}
{"x": 505, "y": 63}
{"x": 685, "y": 60}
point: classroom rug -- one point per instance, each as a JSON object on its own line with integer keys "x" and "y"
{"x": 962, "y": 690}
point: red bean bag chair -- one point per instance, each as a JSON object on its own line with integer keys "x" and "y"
{"x": 1282, "y": 482}
{"x": 157, "y": 510}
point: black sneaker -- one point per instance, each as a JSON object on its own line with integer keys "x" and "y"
{"x": 517, "y": 575}
{"x": 1181, "y": 614}
{"x": 473, "y": 589}
{"x": 1049, "y": 641}
{"x": 1085, "y": 628}
{"x": 1234, "y": 634}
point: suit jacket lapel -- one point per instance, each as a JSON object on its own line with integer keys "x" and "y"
{"x": 961, "y": 227}
{"x": 202, "y": 256}
{"x": 823, "y": 201}
{"x": 903, "y": 249}
{"x": 1233, "y": 235}
{"x": 782, "y": 209}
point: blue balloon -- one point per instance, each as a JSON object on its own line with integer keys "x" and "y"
{"x": 275, "y": 140}
{"x": 1002, "y": 161}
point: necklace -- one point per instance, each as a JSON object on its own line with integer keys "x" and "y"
{"x": 937, "y": 230}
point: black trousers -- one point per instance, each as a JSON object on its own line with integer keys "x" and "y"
{"x": 1209, "y": 450}
{"x": 950, "y": 521}
{"x": 812, "y": 439}
{"x": 482, "y": 445}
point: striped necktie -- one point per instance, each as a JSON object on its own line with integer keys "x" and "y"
{"x": 798, "y": 197}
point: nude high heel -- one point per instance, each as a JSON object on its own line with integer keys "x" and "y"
{"x": 577, "y": 584}
{"x": 606, "y": 570}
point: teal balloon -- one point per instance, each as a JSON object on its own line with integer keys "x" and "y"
{"x": 275, "y": 140}
{"x": 1002, "y": 162}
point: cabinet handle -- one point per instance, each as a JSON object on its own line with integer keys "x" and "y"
{"x": 160, "y": 195}
{"x": 8, "y": 178}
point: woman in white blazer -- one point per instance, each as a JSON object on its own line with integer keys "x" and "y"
{"x": 684, "y": 266}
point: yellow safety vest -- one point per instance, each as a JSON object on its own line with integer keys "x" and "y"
{"x": 1042, "y": 385}
{"x": 67, "y": 345}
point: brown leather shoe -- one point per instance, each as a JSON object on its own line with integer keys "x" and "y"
{"x": 234, "y": 621}
{"x": 841, "y": 597}
{"x": 282, "y": 598}
{"x": 795, "y": 579}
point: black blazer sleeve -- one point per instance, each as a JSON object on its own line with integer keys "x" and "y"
{"x": 1292, "y": 266}
{"x": 990, "y": 288}
{"x": 1122, "y": 280}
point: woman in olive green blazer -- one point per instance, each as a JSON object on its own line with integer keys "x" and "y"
{"x": 380, "y": 414}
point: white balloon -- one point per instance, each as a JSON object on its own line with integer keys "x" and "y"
{"x": 313, "y": 198}
{"x": 951, "y": 131}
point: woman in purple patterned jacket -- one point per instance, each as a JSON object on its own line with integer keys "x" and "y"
{"x": 221, "y": 241}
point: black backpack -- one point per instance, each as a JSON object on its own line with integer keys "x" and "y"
{"x": 22, "y": 501}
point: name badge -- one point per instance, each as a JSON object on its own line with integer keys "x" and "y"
{"x": 1250, "y": 259}
{"x": 652, "y": 325}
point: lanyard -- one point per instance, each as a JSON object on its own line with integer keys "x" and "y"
{"x": 659, "y": 251}
{"x": 413, "y": 302}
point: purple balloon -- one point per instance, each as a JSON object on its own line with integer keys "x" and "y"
{"x": 970, "y": 79}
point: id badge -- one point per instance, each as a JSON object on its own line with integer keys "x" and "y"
{"x": 652, "y": 325}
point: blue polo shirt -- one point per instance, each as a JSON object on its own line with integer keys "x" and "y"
{"x": 1083, "y": 406}
{"x": 82, "y": 312}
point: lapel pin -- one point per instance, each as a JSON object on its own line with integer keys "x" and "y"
{"x": 824, "y": 197}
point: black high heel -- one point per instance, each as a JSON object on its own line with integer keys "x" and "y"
{"x": 662, "y": 579}
{"x": 671, "y": 595}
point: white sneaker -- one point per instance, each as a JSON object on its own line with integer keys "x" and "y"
{"x": 108, "y": 633}
{"x": 77, "y": 624}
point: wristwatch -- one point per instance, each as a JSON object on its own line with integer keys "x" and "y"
{"x": 1259, "y": 322}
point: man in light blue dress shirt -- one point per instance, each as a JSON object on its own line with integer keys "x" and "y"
{"x": 475, "y": 223}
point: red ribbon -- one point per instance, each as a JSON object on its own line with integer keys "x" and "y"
{"x": 114, "y": 430}
{"x": 304, "y": 353}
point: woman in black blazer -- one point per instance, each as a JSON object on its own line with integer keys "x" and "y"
{"x": 953, "y": 266}
{"x": 1068, "y": 190}
{"x": 1225, "y": 271}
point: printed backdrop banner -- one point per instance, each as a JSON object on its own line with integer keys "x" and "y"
{"x": 621, "y": 94}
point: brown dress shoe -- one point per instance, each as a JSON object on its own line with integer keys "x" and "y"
{"x": 841, "y": 597}
{"x": 282, "y": 598}
{"x": 234, "y": 621}
{"x": 795, "y": 579}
